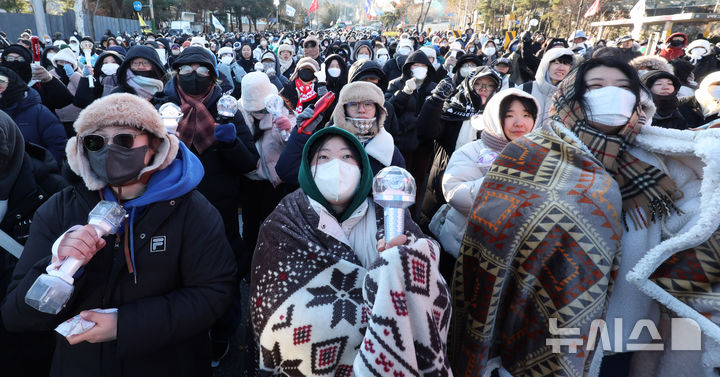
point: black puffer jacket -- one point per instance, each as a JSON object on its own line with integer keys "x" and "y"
{"x": 164, "y": 317}
{"x": 692, "y": 112}
{"x": 393, "y": 68}
{"x": 407, "y": 106}
{"x": 225, "y": 167}
{"x": 28, "y": 180}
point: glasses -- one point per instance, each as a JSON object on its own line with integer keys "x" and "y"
{"x": 357, "y": 105}
{"x": 11, "y": 58}
{"x": 201, "y": 70}
{"x": 140, "y": 64}
{"x": 95, "y": 142}
{"x": 310, "y": 45}
{"x": 485, "y": 86}
{"x": 4, "y": 80}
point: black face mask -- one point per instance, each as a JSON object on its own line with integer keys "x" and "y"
{"x": 149, "y": 74}
{"x": 117, "y": 165}
{"x": 676, "y": 43}
{"x": 193, "y": 84}
{"x": 21, "y": 68}
{"x": 306, "y": 75}
{"x": 666, "y": 105}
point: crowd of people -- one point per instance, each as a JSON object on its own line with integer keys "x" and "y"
{"x": 567, "y": 179}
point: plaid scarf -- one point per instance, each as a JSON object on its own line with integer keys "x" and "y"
{"x": 306, "y": 93}
{"x": 641, "y": 185}
{"x": 197, "y": 127}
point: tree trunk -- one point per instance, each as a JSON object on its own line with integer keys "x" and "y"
{"x": 426, "y": 13}
{"x": 79, "y": 17}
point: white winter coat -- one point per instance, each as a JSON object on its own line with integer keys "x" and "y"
{"x": 542, "y": 88}
{"x": 465, "y": 173}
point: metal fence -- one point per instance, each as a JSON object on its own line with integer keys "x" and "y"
{"x": 13, "y": 24}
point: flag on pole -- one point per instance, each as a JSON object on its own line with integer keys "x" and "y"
{"x": 217, "y": 24}
{"x": 594, "y": 8}
{"x": 637, "y": 13}
{"x": 289, "y": 11}
{"x": 313, "y": 6}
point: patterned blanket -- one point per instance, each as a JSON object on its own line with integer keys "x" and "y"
{"x": 317, "y": 312}
{"x": 543, "y": 241}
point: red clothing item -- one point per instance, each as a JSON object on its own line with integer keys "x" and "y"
{"x": 670, "y": 52}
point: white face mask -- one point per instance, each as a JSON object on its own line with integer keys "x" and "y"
{"x": 490, "y": 51}
{"x": 471, "y": 49}
{"x": 334, "y": 72}
{"x": 436, "y": 65}
{"x": 263, "y": 43}
{"x": 227, "y": 60}
{"x": 610, "y": 106}
{"x": 50, "y": 55}
{"x": 697, "y": 53}
{"x": 109, "y": 69}
{"x": 404, "y": 50}
{"x": 382, "y": 59}
{"x": 419, "y": 73}
{"x": 465, "y": 71}
{"x": 363, "y": 56}
{"x": 337, "y": 180}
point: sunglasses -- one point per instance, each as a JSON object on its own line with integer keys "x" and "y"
{"x": 310, "y": 45}
{"x": 94, "y": 142}
{"x": 202, "y": 71}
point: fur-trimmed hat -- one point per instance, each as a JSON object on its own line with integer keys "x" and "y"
{"x": 654, "y": 62}
{"x": 286, "y": 47}
{"x": 124, "y": 110}
{"x": 255, "y": 87}
{"x": 357, "y": 92}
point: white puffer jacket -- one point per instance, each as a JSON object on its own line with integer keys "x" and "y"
{"x": 465, "y": 173}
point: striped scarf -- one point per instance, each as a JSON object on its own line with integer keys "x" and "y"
{"x": 641, "y": 185}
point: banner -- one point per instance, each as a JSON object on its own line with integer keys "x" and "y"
{"x": 289, "y": 11}
{"x": 217, "y": 24}
{"x": 313, "y": 6}
{"x": 594, "y": 8}
{"x": 637, "y": 13}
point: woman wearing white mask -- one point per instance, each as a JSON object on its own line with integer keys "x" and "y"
{"x": 382, "y": 56}
{"x": 67, "y": 71}
{"x": 407, "y": 94}
{"x": 228, "y": 66}
{"x": 104, "y": 79}
{"x": 704, "y": 107}
{"x": 490, "y": 50}
{"x": 325, "y": 285}
{"x": 598, "y": 189}
{"x": 702, "y": 55}
{"x": 363, "y": 50}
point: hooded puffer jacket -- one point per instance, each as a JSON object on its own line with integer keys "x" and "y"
{"x": 277, "y": 79}
{"x": 452, "y": 129}
{"x": 359, "y": 44}
{"x": 407, "y": 106}
{"x": 393, "y": 67}
{"x": 465, "y": 173}
{"x": 167, "y": 305}
{"x": 674, "y": 52}
{"x": 542, "y": 89}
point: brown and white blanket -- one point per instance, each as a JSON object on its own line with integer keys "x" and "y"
{"x": 316, "y": 311}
